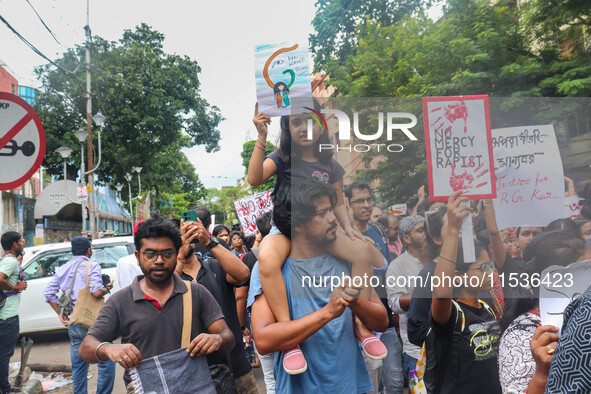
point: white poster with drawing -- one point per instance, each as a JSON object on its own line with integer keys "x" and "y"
{"x": 559, "y": 286}
{"x": 282, "y": 73}
{"x": 530, "y": 180}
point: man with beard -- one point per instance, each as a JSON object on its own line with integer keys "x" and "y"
{"x": 78, "y": 273}
{"x": 320, "y": 316}
{"x": 390, "y": 224}
{"x": 148, "y": 314}
{"x": 400, "y": 283}
{"x": 11, "y": 283}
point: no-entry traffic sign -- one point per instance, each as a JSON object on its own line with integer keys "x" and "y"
{"x": 22, "y": 141}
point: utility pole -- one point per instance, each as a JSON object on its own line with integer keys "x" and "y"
{"x": 91, "y": 208}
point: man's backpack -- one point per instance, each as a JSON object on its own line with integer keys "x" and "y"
{"x": 428, "y": 365}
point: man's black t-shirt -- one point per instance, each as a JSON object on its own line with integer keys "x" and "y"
{"x": 201, "y": 250}
{"x": 420, "y": 306}
{"x": 477, "y": 364}
{"x": 240, "y": 364}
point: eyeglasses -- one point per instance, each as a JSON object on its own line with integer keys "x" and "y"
{"x": 151, "y": 256}
{"x": 392, "y": 228}
{"x": 486, "y": 267}
{"x": 362, "y": 201}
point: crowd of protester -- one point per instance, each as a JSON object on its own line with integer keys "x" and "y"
{"x": 246, "y": 300}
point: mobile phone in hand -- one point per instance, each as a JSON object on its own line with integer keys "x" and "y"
{"x": 189, "y": 216}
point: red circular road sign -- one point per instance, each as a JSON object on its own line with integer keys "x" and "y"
{"x": 22, "y": 141}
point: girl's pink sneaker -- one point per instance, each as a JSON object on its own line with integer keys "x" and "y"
{"x": 294, "y": 361}
{"x": 372, "y": 346}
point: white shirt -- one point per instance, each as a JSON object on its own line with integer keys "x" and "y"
{"x": 398, "y": 284}
{"x": 127, "y": 270}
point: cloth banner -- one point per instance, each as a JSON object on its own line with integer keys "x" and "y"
{"x": 530, "y": 180}
{"x": 282, "y": 73}
{"x": 172, "y": 372}
{"x": 250, "y": 208}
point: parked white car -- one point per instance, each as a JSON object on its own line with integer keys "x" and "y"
{"x": 39, "y": 266}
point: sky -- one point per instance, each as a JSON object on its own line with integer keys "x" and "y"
{"x": 220, "y": 35}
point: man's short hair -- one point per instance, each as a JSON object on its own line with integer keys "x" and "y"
{"x": 294, "y": 205}
{"x": 157, "y": 227}
{"x": 384, "y": 219}
{"x": 204, "y": 215}
{"x": 357, "y": 185}
{"x": 9, "y": 238}
{"x": 264, "y": 224}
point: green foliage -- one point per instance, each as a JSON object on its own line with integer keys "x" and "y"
{"x": 221, "y": 203}
{"x": 153, "y": 108}
{"x": 246, "y": 154}
{"x": 478, "y": 47}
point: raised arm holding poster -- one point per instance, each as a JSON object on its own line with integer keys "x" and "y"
{"x": 459, "y": 147}
{"x": 282, "y": 73}
{"x": 530, "y": 180}
{"x": 250, "y": 208}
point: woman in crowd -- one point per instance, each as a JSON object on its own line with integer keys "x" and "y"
{"x": 522, "y": 318}
{"x": 222, "y": 232}
{"x": 237, "y": 243}
{"x": 464, "y": 329}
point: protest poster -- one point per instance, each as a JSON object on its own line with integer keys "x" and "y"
{"x": 559, "y": 286}
{"x": 398, "y": 209}
{"x": 530, "y": 180}
{"x": 250, "y": 208}
{"x": 572, "y": 205}
{"x": 459, "y": 147}
{"x": 282, "y": 73}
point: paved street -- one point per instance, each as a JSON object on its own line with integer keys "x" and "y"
{"x": 55, "y": 348}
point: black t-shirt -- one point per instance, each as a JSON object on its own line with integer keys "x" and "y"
{"x": 420, "y": 306}
{"x": 300, "y": 170}
{"x": 478, "y": 371}
{"x": 202, "y": 250}
{"x": 240, "y": 364}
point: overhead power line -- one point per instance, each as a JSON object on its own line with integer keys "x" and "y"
{"x": 44, "y": 24}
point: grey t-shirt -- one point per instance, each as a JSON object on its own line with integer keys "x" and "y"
{"x": 300, "y": 170}
{"x": 127, "y": 314}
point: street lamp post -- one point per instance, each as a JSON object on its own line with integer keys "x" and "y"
{"x": 64, "y": 152}
{"x": 139, "y": 182}
{"x": 81, "y": 135}
{"x": 119, "y": 186}
{"x": 128, "y": 179}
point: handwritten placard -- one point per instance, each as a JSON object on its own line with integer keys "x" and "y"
{"x": 559, "y": 286}
{"x": 250, "y": 208}
{"x": 459, "y": 147}
{"x": 282, "y": 73}
{"x": 572, "y": 205}
{"x": 398, "y": 209}
{"x": 530, "y": 181}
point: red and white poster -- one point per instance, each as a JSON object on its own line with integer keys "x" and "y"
{"x": 250, "y": 208}
{"x": 459, "y": 147}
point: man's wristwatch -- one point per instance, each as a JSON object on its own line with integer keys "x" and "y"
{"x": 213, "y": 242}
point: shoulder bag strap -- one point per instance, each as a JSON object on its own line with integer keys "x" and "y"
{"x": 187, "y": 313}
{"x": 455, "y": 342}
{"x": 217, "y": 293}
{"x": 74, "y": 276}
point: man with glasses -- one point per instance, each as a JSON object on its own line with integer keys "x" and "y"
{"x": 73, "y": 275}
{"x": 390, "y": 224}
{"x": 361, "y": 202}
{"x": 148, "y": 314}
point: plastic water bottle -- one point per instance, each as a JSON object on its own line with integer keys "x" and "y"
{"x": 416, "y": 384}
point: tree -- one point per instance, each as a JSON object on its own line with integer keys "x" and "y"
{"x": 153, "y": 108}
{"x": 477, "y": 47}
{"x": 246, "y": 154}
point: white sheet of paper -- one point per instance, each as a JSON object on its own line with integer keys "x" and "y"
{"x": 560, "y": 286}
{"x": 468, "y": 238}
